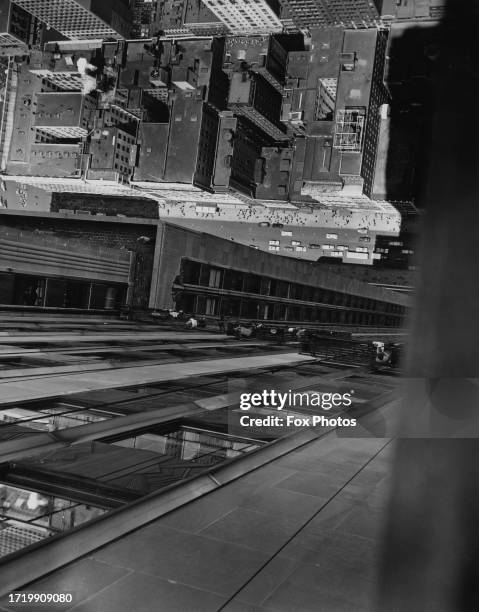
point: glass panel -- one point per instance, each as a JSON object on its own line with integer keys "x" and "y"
{"x": 27, "y": 516}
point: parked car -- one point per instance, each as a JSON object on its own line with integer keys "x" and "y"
{"x": 264, "y": 223}
{"x": 364, "y": 239}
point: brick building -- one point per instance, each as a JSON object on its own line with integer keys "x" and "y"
{"x": 246, "y": 17}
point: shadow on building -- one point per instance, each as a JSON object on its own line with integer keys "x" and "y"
{"x": 430, "y": 552}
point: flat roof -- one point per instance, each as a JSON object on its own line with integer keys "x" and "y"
{"x": 186, "y": 116}
{"x": 240, "y": 88}
{"x": 153, "y": 142}
{"x": 58, "y": 109}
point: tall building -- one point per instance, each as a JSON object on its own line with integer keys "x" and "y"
{"x": 326, "y": 13}
{"x": 82, "y": 19}
{"x": 334, "y": 94}
{"x": 263, "y": 55}
{"x": 245, "y": 17}
{"x": 178, "y": 19}
{"x": 253, "y": 97}
{"x": 143, "y": 13}
{"x": 237, "y": 153}
{"x": 180, "y": 147}
{"x": 18, "y": 29}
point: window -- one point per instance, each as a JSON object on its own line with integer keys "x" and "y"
{"x": 215, "y": 278}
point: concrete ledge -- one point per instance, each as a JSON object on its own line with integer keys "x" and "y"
{"x": 41, "y": 558}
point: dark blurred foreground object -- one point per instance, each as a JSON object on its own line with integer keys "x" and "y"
{"x": 431, "y": 546}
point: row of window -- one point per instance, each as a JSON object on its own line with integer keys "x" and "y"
{"x": 249, "y": 308}
{"x": 205, "y": 275}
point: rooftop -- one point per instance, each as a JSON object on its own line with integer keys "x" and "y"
{"x": 153, "y": 141}
{"x": 59, "y": 109}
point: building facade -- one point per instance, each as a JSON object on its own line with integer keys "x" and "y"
{"x": 82, "y": 19}
{"x": 247, "y": 17}
{"x": 326, "y": 13}
{"x": 68, "y": 260}
{"x": 212, "y": 276}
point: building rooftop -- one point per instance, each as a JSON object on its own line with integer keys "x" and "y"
{"x": 275, "y": 173}
{"x": 153, "y": 143}
{"x": 59, "y": 109}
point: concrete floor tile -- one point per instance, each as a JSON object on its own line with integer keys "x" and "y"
{"x": 294, "y": 598}
{"x": 346, "y": 552}
{"x": 363, "y": 521}
{"x": 334, "y": 514}
{"x": 319, "y": 485}
{"x": 295, "y": 507}
{"x": 267, "y": 581}
{"x": 142, "y": 593}
{"x": 81, "y": 579}
{"x": 269, "y": 475}
{"x": 195, "y": 516}
{"x": 325, "y": 586}
{"x": 193, "y": 560}
{"x": 253, "y": 529}
{"x": 241, "y": 606}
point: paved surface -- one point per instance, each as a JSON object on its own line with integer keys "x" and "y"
{"x": 252, "y": 234}
{"x": 300, "y": 533}
{"x": 44, "y": 338}
{"x": 67, "y": 384}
